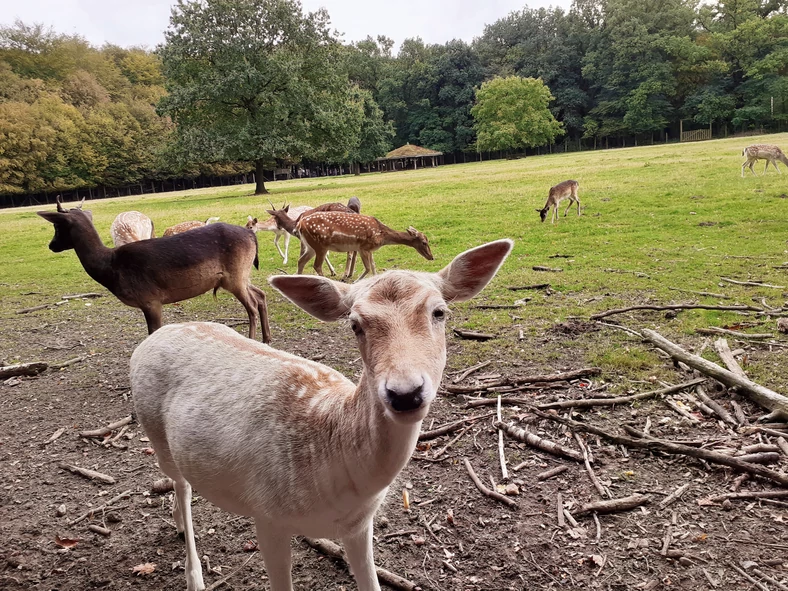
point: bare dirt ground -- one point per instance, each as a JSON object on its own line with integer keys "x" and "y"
{"x": 472, "y": 542}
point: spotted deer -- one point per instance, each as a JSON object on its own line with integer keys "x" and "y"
{"x": 564, "y": 190}
{"x": 285, "y": 221}
{"x": 348, "y": 232}
{"x": 290, "y": 442}
{"x": 762, "y": 152}
{"x": 130, "y": 226}
{"x": 271, "y": 225}
{"x": 186, "y": 226}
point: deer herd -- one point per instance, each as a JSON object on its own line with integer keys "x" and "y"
{"x": 262, "y": 433}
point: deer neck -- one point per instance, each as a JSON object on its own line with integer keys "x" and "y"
{"x": 376, "y": 448}
{"x": 94, "y": 256}
{"x": 393, "y": 237}
{"x": 288, "y": 224}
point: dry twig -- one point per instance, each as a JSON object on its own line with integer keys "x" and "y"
{"x": 589, "y": 402}
{"x": 742, "y": 308}
{"x": 94, "y": 510}
{"x": 539, "y": 443}
{"x": 22, "y": 369}
{"x": 613, "y": 505}
{"x": 89, "y": 474}
{"x": 486, "y": 491}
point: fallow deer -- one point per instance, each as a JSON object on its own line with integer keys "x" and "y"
{"x": 762, "y": 152}
{"x": 564, "y": 190}
{"x": 186, "y": 226}
{"x": 344, "y": 232}
{"x": 286, "y": 221}
{"x": 291, "y": 442}
{"x": 130, "y": 226}
{"x": 150, "y": 273}
{"x": 270, "y": 225}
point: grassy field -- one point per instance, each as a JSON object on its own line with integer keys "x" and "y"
{"x": 653, "y": 218}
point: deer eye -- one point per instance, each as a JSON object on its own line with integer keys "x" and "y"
{"x": 439, "y": 315}
{"x": 356, "y": 328}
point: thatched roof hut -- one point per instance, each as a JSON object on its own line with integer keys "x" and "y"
{"x": 408, "y": 156}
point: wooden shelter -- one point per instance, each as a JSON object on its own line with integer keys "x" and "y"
{"x": 409, "y": 156}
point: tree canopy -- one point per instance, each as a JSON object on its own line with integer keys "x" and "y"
{"x": 511, "y": 114}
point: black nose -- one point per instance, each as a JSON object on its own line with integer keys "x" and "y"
{"x": 406, "y": 401}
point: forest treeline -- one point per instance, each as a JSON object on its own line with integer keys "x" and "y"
{"x": 77, "y": 116}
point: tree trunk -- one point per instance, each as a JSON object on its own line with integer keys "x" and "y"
{"x": 259, "y": 168}
{"x": 357, "y": 168}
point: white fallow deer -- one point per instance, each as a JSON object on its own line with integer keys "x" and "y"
{"x": 564, "y": 190}
{"x": 772, "y": 154}
{"x": 348, "y": 232}
{"x": 270, "y": 225}
{"x": 130, "y": 226}
{"x": 291, "y": 442}
{"x": 186, "y": 226}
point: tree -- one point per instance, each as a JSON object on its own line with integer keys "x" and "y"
{"x": 256, "y": 80}
{"x": 512, "y": 113}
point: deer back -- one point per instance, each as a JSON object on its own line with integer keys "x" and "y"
{"x": 340, "y": 231}
{"x": 130, "y": 226}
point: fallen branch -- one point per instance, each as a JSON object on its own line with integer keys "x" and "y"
{"x": 714, "y": 330}
{"x": 69, "y": 362}
{"x": 764, "y": 396}
{"x": 223, "y": 580}
{"x": 725, "y": 353}
{"x": 552, "y": 473}
{"x": 538, "y": 443}
{"x": 763, "y": 494}
{"x": 653, "y": 444}
{"x": 684, "y": 413}
{"x": 22, "y": 369}
{"x": 89, "y": 474}
{"x": 715, "y": 406}
{"x": 486, "y": 491}
{"x": 103, "y": 431}
{"x": 737, "y": 307}
{"x": 589, "y": 402}
{"x": 493, "y": 401}
{"x": 613, "y": 505}
{"x": 760, "y": 458}
{"x": 473, "y": 335}
{"x": 751, "y": 283}
{"x": 501, "y": 453}
{"x": 79, "y": 296}
{"x": 499, "y": 306}
{"x": 524, "y": 287}
{"x": 674, "y": 495}
{"x": 703, "y": 293}
{"x": 518, "y": 380}
{"x": 33, "y": 309}
{"x": 94, "y": 510}
{"x": 594, "y": 480}
{"x": 547, "y": 269}
{"x": 332, "y": 550}
{"x": 54, "y": 436}
{"x": 465, "y": 373}
{"x": 99, "y": 530}
{"x": 450, "y": 428}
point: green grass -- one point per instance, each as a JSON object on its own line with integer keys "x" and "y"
{"x": 681, "y": 214}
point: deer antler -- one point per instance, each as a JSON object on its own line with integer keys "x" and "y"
{"x": 272, "y": 205}
{"x": 81, "y": 203}
{"x": 59, "y": 205}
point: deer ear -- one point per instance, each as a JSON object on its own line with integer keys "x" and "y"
{"x": 248, "y": 218}
{"x": 472, "y": 270}
{"x": 52, "y": 216}
{"x": 322, "y": 298}
{"x": 269, "y": 212}
{"x": 413, "y": 231}
{"x": 287, "y": 208}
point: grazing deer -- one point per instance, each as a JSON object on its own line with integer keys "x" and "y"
{"x": 762, "y": 152}
{"x": 186, "y": 226}
{"x": 291, "y": 442}
{"x": 270, "y": 225}
{"x": 345, "y": 232}
{"x": 150, "y": 273}
{"x": 130, "y": 226}
{"x": 564, "y": 190}
{"x": 285, "y": 221}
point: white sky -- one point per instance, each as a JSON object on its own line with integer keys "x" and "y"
{"x": 142, "y": 22}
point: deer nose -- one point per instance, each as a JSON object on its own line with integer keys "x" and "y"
{"x": 405, "y": 401}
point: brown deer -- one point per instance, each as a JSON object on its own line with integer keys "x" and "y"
{"x": 564, "y": 190}
{"x": 762, "y": 152}
{"x": 130, "y": 226}
{"x": 290, "y": 442}
{"x": 186, "y": 226}
{"x": 345, "y": 232}
{"x": 150, "y": 273}
{"x": 285, "y": 221}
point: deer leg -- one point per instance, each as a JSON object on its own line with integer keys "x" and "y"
{"x": 318, "y": 264}
{"x": 305, "y": 258}
{"x": 752, "y": 170}
{"x": 287, "y": 246}
{"x": 274, "y": 545}
{"x": 555, "y": 213}
{"x": 262, "y": 309}
{"x": 183, "y": 493}
{"x": 276, "y": 243}
{"x": 578, "y": 205}
{"x": 152, "y": 312}
{"x": 358, "y": 549}
{"x": 571, "y": 202}
{"x": 330, "y": 266}
{"x": 366, "y": 258}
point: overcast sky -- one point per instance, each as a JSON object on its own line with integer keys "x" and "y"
{"x": 142, "y": 22}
